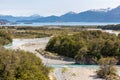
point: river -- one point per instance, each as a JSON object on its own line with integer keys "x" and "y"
{"x": 85, "y": 72}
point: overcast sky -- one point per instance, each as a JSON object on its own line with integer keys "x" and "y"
{"x": 52, "y": 7}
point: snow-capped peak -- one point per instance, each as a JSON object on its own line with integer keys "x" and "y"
{"x": 101, "y": 10}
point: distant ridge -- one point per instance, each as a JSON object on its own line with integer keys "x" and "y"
{"x": 101, "y": 15}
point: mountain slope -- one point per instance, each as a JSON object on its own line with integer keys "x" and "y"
{"x": 102, "y": 15}
{"x": 14, "y": 19}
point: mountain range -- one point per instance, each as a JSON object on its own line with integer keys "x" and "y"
{"x": 101, "y": 15}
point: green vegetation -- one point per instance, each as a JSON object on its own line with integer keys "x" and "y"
{"x": 108, "y": 69}
{"x": 38, "y": 32}
{"x": 73, "y": 74}
{"x": 30, "y": 34}
{"x": 86, "y": 47}
{"x": 110, "y": 27}
{"x": 64, "y": 70}
{"x": 51, "y": 69}
{"x": 20, "y": 65}
{"x": 5, "y": 37}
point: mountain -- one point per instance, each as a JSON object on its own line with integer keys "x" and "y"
{"x": 42, "y": 19}
{"x": 101, "y": 15}
{"x": 14, "y": 19}
{"x": 3, "y": 21}
{"x": 114, "y": 15}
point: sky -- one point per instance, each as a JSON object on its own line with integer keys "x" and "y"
{"x": 52, "y": 7}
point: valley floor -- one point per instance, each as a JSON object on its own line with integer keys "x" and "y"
{"x": 70, "y": 73}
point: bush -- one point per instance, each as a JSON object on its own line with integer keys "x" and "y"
{"x": 64, "y": 70}
{"x": 5, "y": 37}
{"x": 107, "y": 68}
{"x": 86, "y": 47}
{"x": 20, "y": 65}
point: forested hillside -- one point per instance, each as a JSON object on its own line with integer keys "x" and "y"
{"x": 86, "y": 47}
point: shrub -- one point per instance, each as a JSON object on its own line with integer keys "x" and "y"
{"x": 21, "y": 65}
{"x": 86, "y": 47}
{"x": 5, "y": 37}
{"x": 64, "y": 70}
{"x": 107, "y": 68}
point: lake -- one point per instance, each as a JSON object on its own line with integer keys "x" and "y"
{"x": 63, "y": 24}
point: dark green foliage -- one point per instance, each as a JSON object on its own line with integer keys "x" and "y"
{"x": 86, "y": 47}
{"x": 20, "y": 65}
{"x": 64, "y": 45}
{"x": 110, "y": 27}
{"x": 5, "y": 37}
